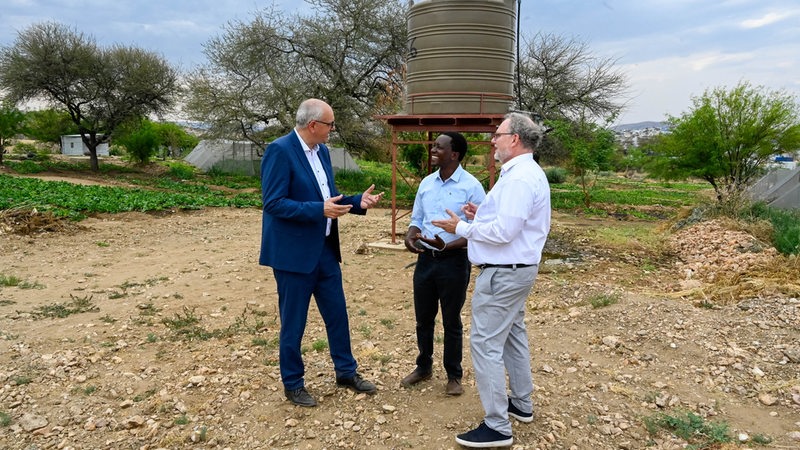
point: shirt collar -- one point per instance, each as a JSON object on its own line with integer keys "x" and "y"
{"x": 508, "y": 165}
{"x": 303, "y": 144}
{"x": 456, "y": 176}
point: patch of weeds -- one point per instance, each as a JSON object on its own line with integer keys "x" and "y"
{"x": 202, "y": 433}
{"x": 107, "y": 344}
{"x": 9, "y": 280}
{"x": 151, "y": 338}
{"x": 365, "y": 331}
{"x": 22, "y": 380}
{"x": 591, "y": 419}
{"x": 268, "y": 344}
{"x": 362, "y": 312}
{"x": 76, "y": 305}
{"x": 147, "y": 309}
{"x": 762, "y": 439}
{"x": 144, "y": 395}
{"x": 603, "y": 300}
{"x": 439, "y": 339}
{"x": 271, "y": 362}
{"x": 115, "y": 295}
{"x": 103, "y": 244}
{"x": 382, "y": 358}
{"x": 29, "y": 285}
{"x": 388, "y": 323}
{"x": 154, "y": 281}
{"x": 251, "y": 320}
{"x": 88, "y": 390}
{"x": 319, "y": 345}
{"x": 7, "y": 302}
{"x": 182, "y": 420}
{"x": 129, "y": 284}
{"x": 177, "y": 296}
{"x": 5, "y": 419}
{"x": 108, "y": 319}
{"x": 186, "y": 326}
{"x": 705, "y": 304}
{"x": 690, "y": 427}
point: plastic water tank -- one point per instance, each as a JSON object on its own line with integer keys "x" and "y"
{"x": 461, "y": 56}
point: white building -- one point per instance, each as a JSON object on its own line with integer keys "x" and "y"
{"x": 72, "y": 144}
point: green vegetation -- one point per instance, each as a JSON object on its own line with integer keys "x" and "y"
{"x": 76, "y": 305}
{"x": 726, "y": 138}
{"x": 182, "y": 420}
{"x": 187, "y": 326}
{"x": 695, "y": 430}
{"x": 319, "y": 345}
{"x": 603, "y": 300}
{"x": 76, "y": 201}
{"x": 13, "y": 281}
{"x": 785, "y": 225}
{"x": 5, "y": 419}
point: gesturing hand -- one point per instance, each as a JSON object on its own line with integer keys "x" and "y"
{"x": 368, "y": 199}
{"x": 333, "y": 210}
{"x": 448, "y": 225}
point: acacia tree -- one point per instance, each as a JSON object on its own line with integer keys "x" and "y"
{"x": 11, "y": 120}
{"x": 727, "y": 137}
{"x": 101, "y": 88}
{"x": 349, "y": 53}
{"x": 560, "y": 78}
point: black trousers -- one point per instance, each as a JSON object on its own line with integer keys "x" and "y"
{"x": 441, "y": 278}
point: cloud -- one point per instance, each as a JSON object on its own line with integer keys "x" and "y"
{"x": 767, "y": 19}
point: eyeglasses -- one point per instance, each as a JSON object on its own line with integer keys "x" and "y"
{"x": 497, "y": 135}
{"x": 331, "y": 124}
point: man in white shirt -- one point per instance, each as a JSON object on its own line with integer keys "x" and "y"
{"x": 505, "y": 240}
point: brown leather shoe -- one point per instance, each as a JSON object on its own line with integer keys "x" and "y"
{"x": 454, "y": 387}
{"x": 415, "y": 377}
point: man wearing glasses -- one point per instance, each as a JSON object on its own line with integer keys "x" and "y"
{"x": 505, "y": 240}
{"x": 300, "y": 241}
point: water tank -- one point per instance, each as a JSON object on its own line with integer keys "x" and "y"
{"x": 461, "y": 56}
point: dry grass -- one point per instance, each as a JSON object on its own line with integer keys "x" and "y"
{"x": 26, "y": 221}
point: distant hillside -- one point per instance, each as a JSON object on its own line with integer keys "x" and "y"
{"x": 639, "y": 126}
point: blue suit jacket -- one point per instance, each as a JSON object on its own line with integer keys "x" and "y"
{"x": 293, "y": 224}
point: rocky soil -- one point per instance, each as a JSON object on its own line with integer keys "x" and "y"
{"x": 168, "y": 330}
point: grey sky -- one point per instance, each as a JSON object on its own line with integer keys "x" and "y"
{"x": 670, "y": 49}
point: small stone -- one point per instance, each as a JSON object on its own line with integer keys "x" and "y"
{"x": 767, "y": 399}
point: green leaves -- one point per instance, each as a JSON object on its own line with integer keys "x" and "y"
{"x": 72, "y": 200}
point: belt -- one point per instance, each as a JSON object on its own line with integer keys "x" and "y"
{"x": 446, "y": 253}
{"x": 504, "y": 266}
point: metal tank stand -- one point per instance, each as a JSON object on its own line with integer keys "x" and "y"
{"x": 431, "y": 125}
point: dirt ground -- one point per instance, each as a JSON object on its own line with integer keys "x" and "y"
{"x": 170, "y": 329}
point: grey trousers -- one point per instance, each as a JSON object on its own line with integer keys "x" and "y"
{"x": 499, "y": 342}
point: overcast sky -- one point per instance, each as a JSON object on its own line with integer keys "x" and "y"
{"x": 670, "y": 50}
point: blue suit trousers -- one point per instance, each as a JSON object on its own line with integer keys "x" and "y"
{"x": 294, "y": 298}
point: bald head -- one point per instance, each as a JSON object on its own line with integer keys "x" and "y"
{"x": 312, "y": 109}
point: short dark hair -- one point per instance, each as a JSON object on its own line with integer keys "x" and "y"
{"x": 458, "y": 143}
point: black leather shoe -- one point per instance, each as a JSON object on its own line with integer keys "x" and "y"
{"x": 357, "y": 384}
{"x": 415, "y": 377}
{"x": 300, "y": 397}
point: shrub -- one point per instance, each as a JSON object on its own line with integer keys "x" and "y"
{"x": 556, "y": 175}
{"x": 785, "y": 224}
{"x": 181, "y": 171}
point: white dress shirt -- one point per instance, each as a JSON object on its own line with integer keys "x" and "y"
{"x": 512, "y": 223}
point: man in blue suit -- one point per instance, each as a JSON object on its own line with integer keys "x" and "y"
{"x": 300, "y": 241}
